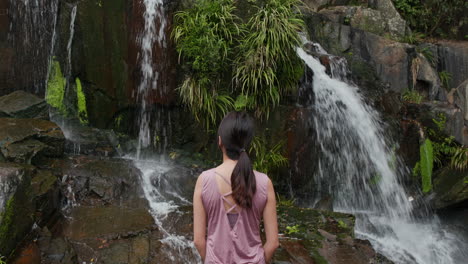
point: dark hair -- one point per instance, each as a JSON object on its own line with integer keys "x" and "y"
{"x": 236, "y": 131}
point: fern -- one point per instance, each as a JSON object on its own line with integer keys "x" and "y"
{"x": 426, "y": 165}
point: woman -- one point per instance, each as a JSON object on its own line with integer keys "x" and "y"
{"x": 231, "y": 200}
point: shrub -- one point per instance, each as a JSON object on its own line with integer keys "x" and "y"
{"x": 205, "y": 37}
{"x": 267, "y": 64}
{"x": 435, "y": 18}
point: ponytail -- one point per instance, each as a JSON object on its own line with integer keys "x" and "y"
{"x": 236, "y": 132}
{"x": 243, "y": 181}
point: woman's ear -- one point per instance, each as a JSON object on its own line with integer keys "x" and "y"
{"x": 220, "y": 143}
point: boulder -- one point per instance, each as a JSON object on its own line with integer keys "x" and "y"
{"x": 26, "y": 140}
{"x": 450, "y": 187}
{"x": 395, "y": 23}
{"x": 16, "y": 205}
{"x": 21, "y": 104}
{"x": 427, "y": 80}
{"x": 367, "y": 19}
{"x": 381, "y": 63}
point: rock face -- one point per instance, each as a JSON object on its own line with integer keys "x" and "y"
{"x": 26, "y": 140}
{"x": 453, "y": 58}
{"x": 21, "y": 104}
{"x": 26, "y": 196}
{"x": 385, "y": 22}
{"x": 451, "y": 188}
{"x": 25, "y": 46}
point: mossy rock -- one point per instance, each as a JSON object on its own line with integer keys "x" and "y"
{"x": 17, "y": 216}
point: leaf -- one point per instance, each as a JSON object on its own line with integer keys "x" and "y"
{"x": 426, "y": 165}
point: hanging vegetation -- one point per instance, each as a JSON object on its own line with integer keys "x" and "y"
{"x": 82, "y": 110}
{"x": 56, "y": 87}
{"x": 204, "y": 35}
{"x": 426, "y": 165}
{"x": 267, "y": 64}
{"x": 230, "y": 65}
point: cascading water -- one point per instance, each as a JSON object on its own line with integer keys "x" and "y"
{"x": 181, "y": 250}
{"x": 359, "y": 170}
{"x": 154, "y": 33}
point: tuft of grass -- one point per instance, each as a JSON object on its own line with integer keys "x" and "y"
{"x": 267, "y": 62}
{"x": 445, "y": 78}
{"x": 267, "y": 159}
{"x": 412, "y": 96}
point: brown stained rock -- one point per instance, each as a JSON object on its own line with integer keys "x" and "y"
{"x": 31, "y": 254}
{"x": 107, "y": 222}
{"x": 297, "y": 252}
{"x": 336, "y": 253}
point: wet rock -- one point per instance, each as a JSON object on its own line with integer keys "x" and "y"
{"x": 109, "y": 222}
{"x": 98, "y": 181}
{"x": 453, "y": 58}
{"x": 21, "y": 104}
{"x": 31, "y": 254}
{"x": 450, "y": 187}
{"x": 170, "y": 183}
{"x": 23, "y": 140}
{"x": 16, "y": 202}
{"x": 377, "y": 62}
{"x": 313, "y": 236}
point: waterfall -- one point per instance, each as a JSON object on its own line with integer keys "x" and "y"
{"x": 70, "y": 40}
{"x": 359, "y": 169}
{"x": 154, "y": 127}
{"x": 153, "y": 33}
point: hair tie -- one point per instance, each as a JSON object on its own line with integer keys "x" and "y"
{"x": 241, "y": 150}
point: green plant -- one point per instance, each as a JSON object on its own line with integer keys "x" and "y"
{"x": 282, "y": 201}
{"x": 435, "y": 17}
{"x": 459, "y": 158}
{"x": 413, "y": 38}
{"x": 292, "y": 229}
{"x": 2, "y": 260}
{"x": 427, "y": 52}
{"x": 412, "y": 96}
{"x": 342, "y": 224}
{"x": 82, "y": 109}
{"x": 267, "y": 64}
{"x": 426, "y": 164}
{"x": 56, "y": 87}
{"x": 205, "y": 37}
{"x": 207, "y": 105}
{"x": 267, "y": 159}
{"x": 445, "y": 78}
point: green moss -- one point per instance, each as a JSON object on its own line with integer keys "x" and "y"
{"x": 82, "y": 110}
{"x": 56, "y": 87}
{"x": 305, "y": 224}
{"x": 6, "y": 219}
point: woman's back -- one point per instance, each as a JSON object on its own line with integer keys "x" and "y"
{"x": 233, "y": 234}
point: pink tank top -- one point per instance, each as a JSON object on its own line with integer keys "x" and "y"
{"x": 240, "y": 244}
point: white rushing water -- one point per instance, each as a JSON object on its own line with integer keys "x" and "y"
{"x": 358, "y": 168}
{"x": 70, "y": 39}
{"x": 153, "y": 34}
{"x": 164, "y": 206}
